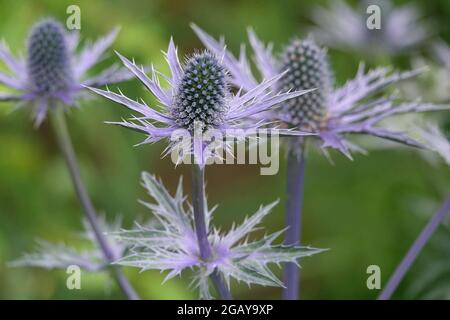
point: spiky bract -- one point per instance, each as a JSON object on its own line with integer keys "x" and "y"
{"x": 170, "y": 243}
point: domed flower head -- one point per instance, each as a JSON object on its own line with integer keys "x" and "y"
{"x": 52, "y": 71}
{"x": 198, "y": 97}
{"x": 330, "y": 112}
{"x": 400, "y": 29}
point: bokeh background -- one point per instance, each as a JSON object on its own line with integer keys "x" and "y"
{"x": 367, "y": 211}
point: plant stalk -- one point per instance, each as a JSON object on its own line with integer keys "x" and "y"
{"x": 294, "y": 190}
{"x": 65, "y": 144}
{"x": 201, "y": 229}
{"x": 414, "y": 251}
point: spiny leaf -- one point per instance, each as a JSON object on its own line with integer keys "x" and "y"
{"x": 248, "y": 225}
{"x": 60, "y": 256}
{"x": 172, "y": 206}
{"x": 142, "y": 237}
{"x": 244, "y": 273}
{"x": 277, "y": 253}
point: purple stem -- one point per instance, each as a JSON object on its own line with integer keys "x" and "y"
{"x": 414, "y": 251}
{"x": 198, "y": 201}
{"x": 65, "y": 143}
{"x": 294, "y": 190}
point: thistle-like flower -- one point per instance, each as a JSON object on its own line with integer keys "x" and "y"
{"x": 400, "y": 29}
{"x": 170, "y": 244}
{"x": 307, "y": 67}
{"x": 330, "y": 112}
{"x": 198, "y": 97}
{"x": 201, "y": 93}
{"x": 52, "y": 71}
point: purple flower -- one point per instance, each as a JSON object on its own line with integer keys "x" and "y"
{"x": 169, "y": 244}
{"x": 52, "y": 71}
{"x": 330, "y": 112}
{"x": 198, "y": 94}
{"x": 341, "y": 26}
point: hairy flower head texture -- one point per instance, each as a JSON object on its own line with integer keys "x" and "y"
{"x": 53, "y": 72}
{"x": 198, "y": 95}
{"x": 357, "y": 107}
{"x": 170, "y": 244}
{"x": 375, "y": 27}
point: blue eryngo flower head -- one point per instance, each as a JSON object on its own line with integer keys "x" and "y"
{"x": 49, "y": 255}
{"x": 201, "y": 93}
{"x": 357, "y": 107}
{"x": 48, "y": 62}
{"x": 170, "y": 244}
{"x": 307, "y": 67}
{"x": 53, "y": 72}
{"x": 376, "y": 27}
{"x": 198, "y": 96}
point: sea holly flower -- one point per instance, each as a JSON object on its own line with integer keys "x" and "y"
{"x": 198, "y": 97}
{"x": 400, "y": 28}
{"x": 307, "y": 67}
{"x": 198, "y": 100}
{"x": 49, "y": 255}
{"x": 53, "y": 72}
{"x": 51, "y": 78}
{"x": 170, "y": 244}
{"x": 331, "y": 112}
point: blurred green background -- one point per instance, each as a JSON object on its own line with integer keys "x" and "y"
{"x": 367, "y": 211}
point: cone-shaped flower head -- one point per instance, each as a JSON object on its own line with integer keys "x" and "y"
{"x": 307, "y": 67}
{"x": 357, "y": 107}
{"x": 48, "y": 61}
{"x": 198, "y": 98}
{"x": 53, "y": 72}
{"x": 201, "y": 93}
